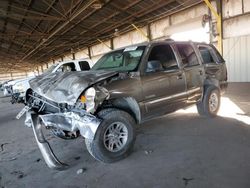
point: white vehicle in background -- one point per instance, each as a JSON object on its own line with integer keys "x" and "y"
{"x": 20, "y": 87}
{"x": 8, "y": 86}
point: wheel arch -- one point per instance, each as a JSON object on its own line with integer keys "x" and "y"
{"x": 26, "y": 97}
{"x": 210, "y": 82}
{"x": 127, "y": 104}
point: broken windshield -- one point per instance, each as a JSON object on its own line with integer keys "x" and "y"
{"x": 126, "y": 59}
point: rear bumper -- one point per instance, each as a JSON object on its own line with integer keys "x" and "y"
{"x": 70, "y": 121}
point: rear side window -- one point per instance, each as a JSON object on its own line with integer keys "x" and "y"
{"x": 188, "y": 55}
{"x": 218, "y": 55}
{"x": 207, "y": 55}
{"x": 84, "y": 65}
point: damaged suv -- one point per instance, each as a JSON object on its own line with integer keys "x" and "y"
{"x": 125, "y": 87}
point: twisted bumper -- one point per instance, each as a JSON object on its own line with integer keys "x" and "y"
{"x": 70, "y": 121}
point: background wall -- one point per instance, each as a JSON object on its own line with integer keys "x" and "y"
{"x": 236, "y": 34}
{"x": 236, "y": 43}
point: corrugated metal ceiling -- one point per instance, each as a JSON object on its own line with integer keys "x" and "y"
{"x": 34, "y": 31}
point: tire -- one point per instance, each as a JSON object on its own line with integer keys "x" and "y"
{"x": 99, "y": 148}
{"x": 210, "y": 104}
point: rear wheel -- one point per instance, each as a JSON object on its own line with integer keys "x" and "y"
{"x": 210, "y": 104}
{"x": 114, "y": 138}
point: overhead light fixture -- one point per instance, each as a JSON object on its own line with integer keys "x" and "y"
{"x": 117, "y": 33}
{"x": 97, "y": 5}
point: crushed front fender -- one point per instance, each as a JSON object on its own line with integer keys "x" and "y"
{"x": 86, "y": 123}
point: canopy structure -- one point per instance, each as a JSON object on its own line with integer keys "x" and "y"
{"x": 32, "y": 32}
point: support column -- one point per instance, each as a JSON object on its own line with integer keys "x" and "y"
{"x": 89, "y": 52}
{"x": 149, "y": 33}
{"x": 218, "y": 16}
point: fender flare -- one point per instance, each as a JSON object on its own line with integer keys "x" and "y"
{"x": 128, "y": 104}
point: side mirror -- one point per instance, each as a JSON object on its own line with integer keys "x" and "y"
{"x": 154, "y": 66}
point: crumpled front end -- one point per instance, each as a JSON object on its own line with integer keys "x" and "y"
{"x": 64, "y": 104}
{"x": 53, "y": 116}
{"x": 86, "y": 123}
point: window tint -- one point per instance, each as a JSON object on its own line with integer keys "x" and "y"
{"x": 207, "y": 55}
{"x": 187, "y": 54}
{"x": 84, "y": 65}
{"x": 164, "y": 54}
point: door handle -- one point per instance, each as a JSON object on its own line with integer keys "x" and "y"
{"x": 179, "y": 77}
{"x": 201, "y": 72}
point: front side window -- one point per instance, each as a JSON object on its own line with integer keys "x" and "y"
{"x": 126, "y": 59}
{"x": 188, "y": 55}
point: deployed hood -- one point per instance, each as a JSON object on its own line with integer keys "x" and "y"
{"x": 67, "y": 87}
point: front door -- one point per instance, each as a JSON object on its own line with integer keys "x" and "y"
{"x": 164, "y": 89}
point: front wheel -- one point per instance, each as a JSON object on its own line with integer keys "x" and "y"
{"x": 210, "y": 104}
{"x": 114, "y": 138}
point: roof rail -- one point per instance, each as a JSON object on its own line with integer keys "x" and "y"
{"x": 169, "y": 39}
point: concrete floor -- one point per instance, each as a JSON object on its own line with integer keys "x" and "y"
{"x": 178, "y": 150}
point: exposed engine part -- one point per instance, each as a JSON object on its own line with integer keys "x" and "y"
{"x": 42, "y": 105}
{"x": 65, "y": 134}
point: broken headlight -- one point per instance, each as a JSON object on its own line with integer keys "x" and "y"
{"x": 18, "y": 88}
{"x": 89, "y": 99}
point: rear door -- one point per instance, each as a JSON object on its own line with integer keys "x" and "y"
{"x": 164, "y": 90}
{"x": 193, "y": 69}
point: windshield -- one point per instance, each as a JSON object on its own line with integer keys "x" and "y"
{"x": 49, "y": 70}
{"x": 126, "y": 59}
